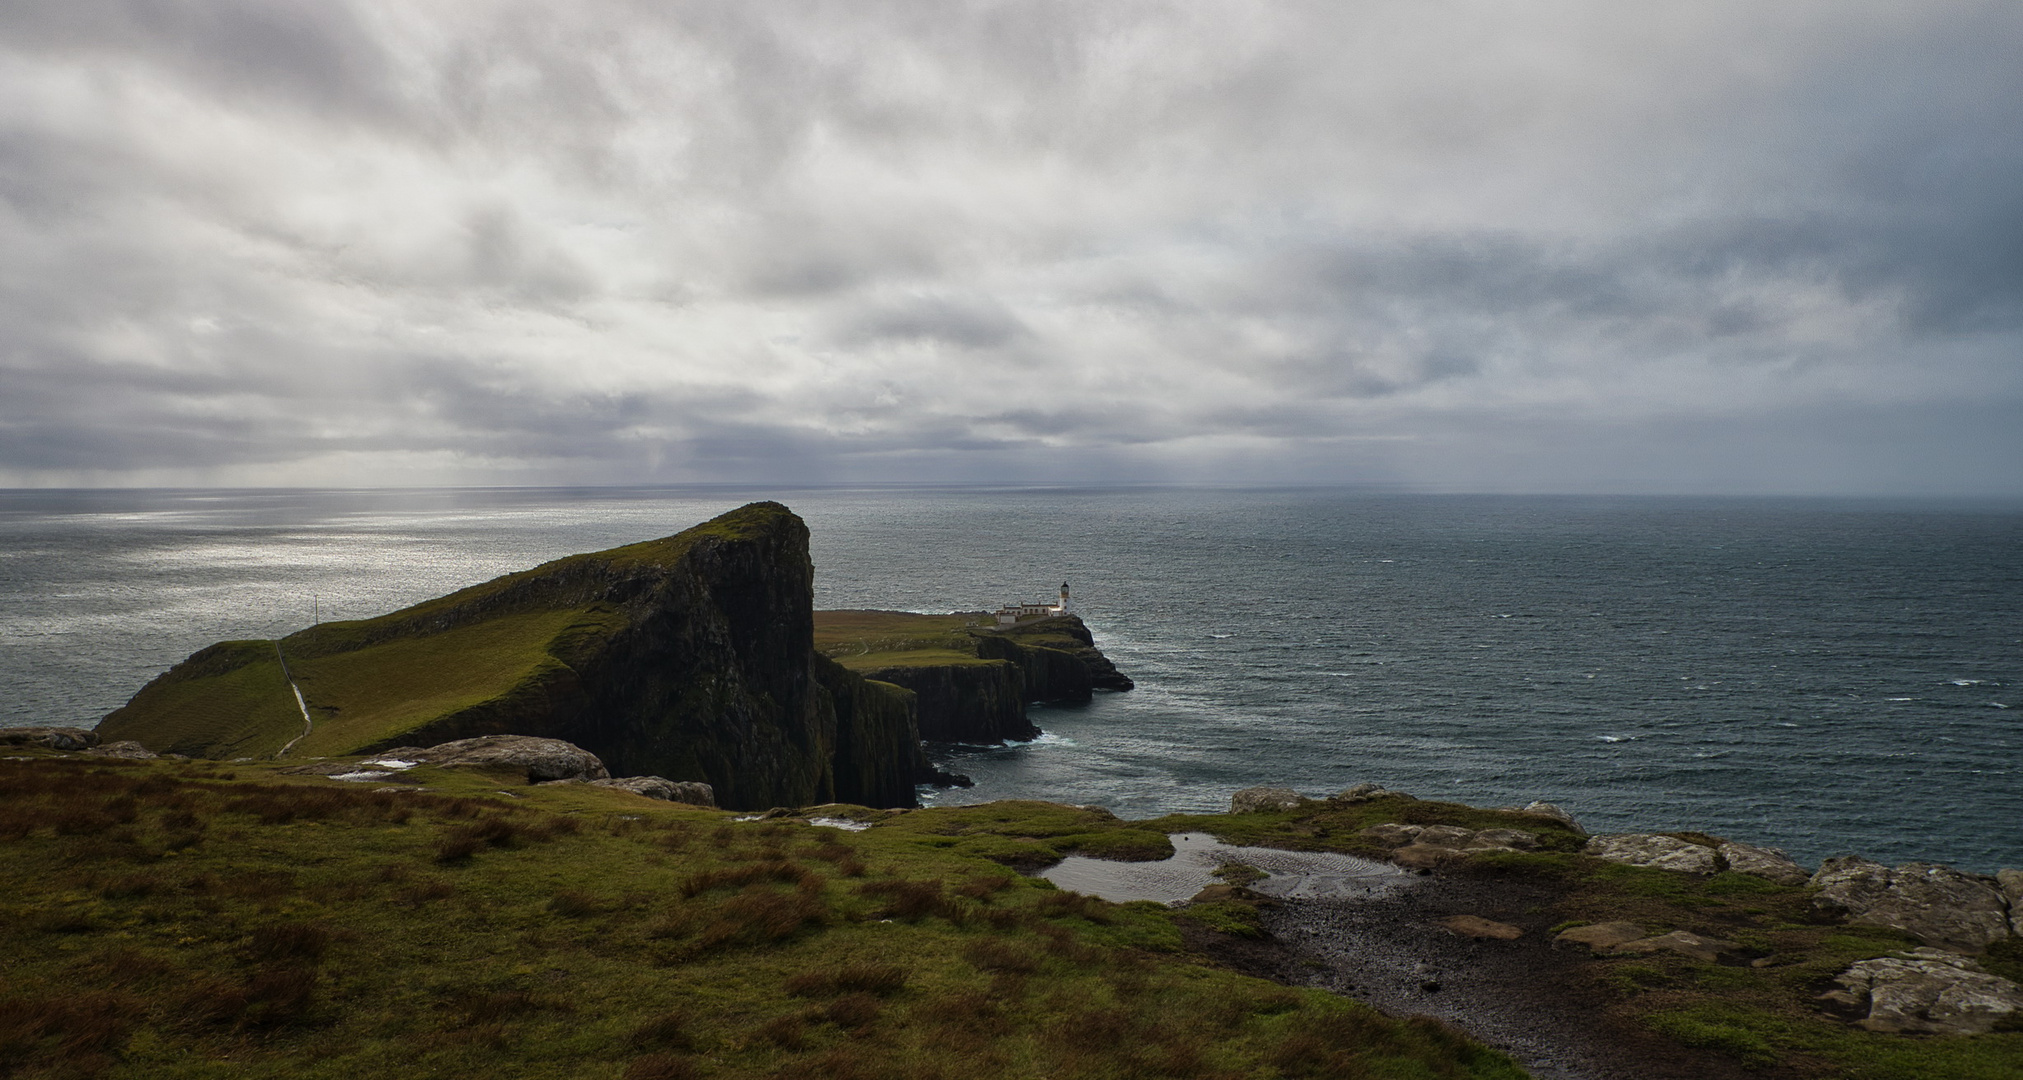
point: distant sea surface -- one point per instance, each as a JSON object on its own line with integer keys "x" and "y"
{"x": 1822, "y": 676}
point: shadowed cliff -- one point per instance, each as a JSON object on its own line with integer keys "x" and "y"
{"x": 687, "y": 657}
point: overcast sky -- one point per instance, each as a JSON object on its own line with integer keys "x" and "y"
{"x": 1518, "y": 246}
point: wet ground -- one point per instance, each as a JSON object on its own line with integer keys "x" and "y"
{"x": 1373, "y": 932}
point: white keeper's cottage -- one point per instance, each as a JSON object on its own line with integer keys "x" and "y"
{"x": 1012, "y": 613}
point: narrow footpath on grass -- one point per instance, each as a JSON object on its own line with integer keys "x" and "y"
{"x": 307, "y": 724}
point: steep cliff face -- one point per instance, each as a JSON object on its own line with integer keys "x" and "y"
{"x": 688, "y": 657}
{"x": 973, "y": 679}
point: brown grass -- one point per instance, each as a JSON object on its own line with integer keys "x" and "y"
{"x": 881, "y": 980}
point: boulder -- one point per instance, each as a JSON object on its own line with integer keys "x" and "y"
{"x": 1545, "y": 810}
{"x": 1364, "y": 792}
{"x": 1936, "y": 904}
{"x": 125, "y": 748}
{"x": 1392, "y": 834}
{"x": 1481, "y": 929}
{"x": 56, "y": 738}
{"x": 1654, "y": 850}
{"x": 2011, "y": 884}
{"x": 539, "y": 759}
{"x": 1927, "y": 991}
{"x": 1768, "y": 863}
{"x": 1710, "y": 950}
{"x": 1600, "y": 937}
{"x": 1425, "y": 856}
{"x": 1252, "y": 800}
{"x": 1502, "y": 839}
{"x": 657, "y": 787}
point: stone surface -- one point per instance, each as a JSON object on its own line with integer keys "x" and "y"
{"x": 1654, "y": 850}
{"x": 1253, "y": 800}
{"x": 125, "y": 748}
{"x": 1364, "y": 792}
{"x": 1513, "y": 839}
{"x": 1936, "y": 904}
{"x": 1481, "y": 929}
{"x": 1425, "y": 856}
{"x": 1218, "y": 892}
{"x": 1928, "y": 991}
{"x": 1601, "y": 937}
{"x": 56, "y": 738}
{"x": 659, "y": 787}
{"x": 1392, "y": 834}
{"x": 1768, "y": 863}
{"x": 2011, "y": 884}
{"x": 539, "y": 759}
{"x": 1711, "y": 950}
{"x": 1545, "y": 810}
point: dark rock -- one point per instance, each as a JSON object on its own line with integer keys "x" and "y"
{"x": 1253, "y": 800}
{"x": 1936, "y": 904}
{"x": 56, "y": 738}
{"x": 982, "y": 702}
{"x": 1927, "y": 991}
{"x": 2011, "y": 884}
{"x": 1654, "y": 850}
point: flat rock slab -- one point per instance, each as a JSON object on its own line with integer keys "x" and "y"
{"x": 56, "y": 738}
{"x": 1695, "y": 946}
{"x": 1601, "y": 937}
{"x": 1654, "y": 850}
{"x": 1767, "y": 863}
{"x": 540, "y": 759}
{"x": 1936, "y": 904}
{"x": 1928, "y": 991}
{"x": 1481, "y": 929}
{"x": 659, "y": 787}
{"x": 1253, "y": 800}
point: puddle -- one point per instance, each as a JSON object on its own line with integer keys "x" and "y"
{"x": 840, "y": 823}
{"x": 1303, "y": 875}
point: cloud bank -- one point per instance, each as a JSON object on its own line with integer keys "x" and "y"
{"x": 1453, "y": 245}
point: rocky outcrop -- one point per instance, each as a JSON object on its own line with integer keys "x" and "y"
{"x": 1423, "y": 847}
{"x": 1600, "y": 937}
{"x": 537, "y": 759}
{"x": 124, "y": 748}
{"x": 1253, "y": 800}
{"x": 1364, "y": 792}
{"x": 1935, "y": 904}
{"x": 1051, "y": 680}
{"x": 1928, "y": 991}
{"x": 688, "y": 657}
{"x": 1546, "y": 810}
{"x": 55, "y": 738}
{"x": 878, "y": 756}
{"x": 2011, "y": 884}
{"x": 972, "y": 682}
{"x": 658, "y": 787}
{"x": 1629, "y": 939}
{"x": 1767, "y": 863}
{"x": 1654, "y": 850}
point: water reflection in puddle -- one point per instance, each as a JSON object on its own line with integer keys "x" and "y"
{"x": 1196, "y": 856}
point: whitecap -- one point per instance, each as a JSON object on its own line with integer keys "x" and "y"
{"x": 1219, "y": 637}
{"x": 1997, "y": 704}
{"x": 1900, "y": 699}
{"x": 1786, "y": 723}
{"x": 1968, "y": 682}
{"x": 1616, "y": 738}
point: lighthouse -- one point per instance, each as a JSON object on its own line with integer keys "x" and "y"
{"x": 1064, "y": 598}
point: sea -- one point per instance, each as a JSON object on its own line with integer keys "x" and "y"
{"x": 1824, "y": 676}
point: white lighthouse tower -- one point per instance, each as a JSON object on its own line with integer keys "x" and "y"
{"x": 1064, "y": 598}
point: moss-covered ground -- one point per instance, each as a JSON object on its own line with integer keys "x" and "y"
{"x": 167, "y": 919}
{"x": 871, "y": 640}
{"x": 1761, "y": 1011}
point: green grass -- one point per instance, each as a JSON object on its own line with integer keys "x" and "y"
{"x": 178, "y": 919}
{"x": 239, "y": 706}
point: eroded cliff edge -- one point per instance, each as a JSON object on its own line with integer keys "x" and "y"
{"x": 688, "y": 657}
{"x": 973, "y": 678}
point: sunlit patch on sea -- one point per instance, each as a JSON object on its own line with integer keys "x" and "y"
{"x": 1820, "y": 675}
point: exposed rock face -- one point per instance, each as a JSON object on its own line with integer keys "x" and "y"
{"x": 966, "y": 703}
{"x": 1481, "y": 929}
{"x": 1423, "y": 847}
{"x": 1935, "y": 904}
{"x": 1926, "y": 990}
{"x": 1654, "y": 850}
{"x": 539, "y": 759}
{"x": 1697, "y": 946}
{"x": 56, "y": 738}
{"x": 125, "y": 748}
{"x": 1364, "y": 792}
{"x": 689, "y": 657}
{"x": 1546, "y": 810}
{"x": 657, "y": 787}
{"x": 1252, "y": 800}
{"x": 1768, "y": 863}
{"x": 1066, "y": 634}
{"x": 2011, "y": 884}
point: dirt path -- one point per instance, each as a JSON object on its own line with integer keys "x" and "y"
{"x": 307, "y": 724}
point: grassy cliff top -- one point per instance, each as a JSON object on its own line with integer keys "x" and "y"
{"x": 189, "y": 920}
{"x": 870, "y": 640}
{"x": 371, "y": 681}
